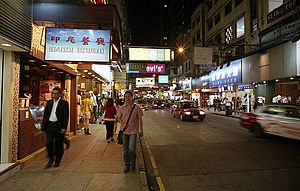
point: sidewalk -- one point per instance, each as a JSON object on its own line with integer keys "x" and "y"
{"x": 223, "y": 113}
{"x": 89, "y": 164}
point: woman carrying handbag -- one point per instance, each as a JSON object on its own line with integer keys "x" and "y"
{"x": 109, "y": 118}
{"x": 130, "y": 117}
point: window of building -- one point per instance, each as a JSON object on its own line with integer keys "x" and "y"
{"x": 198, "y": 19}
{"x": 237, "y": 2}
{"x": 217, "y": 18}
{"x": 198, "y": 36}
{"x": 216, "y": 1}
{"x": 209, "y": 24}
{"x": 228, "y": 34}
{"x": 218, "y": 38}
{"x": 273, "y": 4}
{"x": 240, "y": 27}
{"x": 209, "y": 4}
{"x": 228, "y": 8}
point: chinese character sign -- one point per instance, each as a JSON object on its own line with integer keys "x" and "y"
{"x": 227, "y": 75}
{"x": 63, "y": 44}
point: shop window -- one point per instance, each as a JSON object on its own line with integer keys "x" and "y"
{"x": 237, "y": 2}
{"x": 228, "y": 34}
{"x": 273, "y": 4}
{"x": 228, "y": 8}
{"x": 217, "y": 18}
{"x": 209, "y": 24}
{"x": 240, "y": 27}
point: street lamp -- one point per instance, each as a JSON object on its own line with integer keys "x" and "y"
{"x": 180, "y": 49}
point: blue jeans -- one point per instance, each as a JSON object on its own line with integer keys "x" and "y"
{"x": 129, "y": 142}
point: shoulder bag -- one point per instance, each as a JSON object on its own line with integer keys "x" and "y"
{"x": 120, "y": 134}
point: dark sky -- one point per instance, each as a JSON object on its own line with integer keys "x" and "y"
{"x": 143, "y": 21}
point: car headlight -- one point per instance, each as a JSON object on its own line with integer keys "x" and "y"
{"x": 201, "y": 112}
{"x": 155, "y": 105}
{"x": 187, "y": 113}
{"x": 162, "y": 104}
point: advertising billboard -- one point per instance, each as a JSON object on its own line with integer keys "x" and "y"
{"x": 163, "y": 79}
{"x": 147, "y": 54}
{"x": 145, "y": 68}
{"x": 63, "y": 44}
{"x": 226, "y": 75}
{"x": 145, "y": 82}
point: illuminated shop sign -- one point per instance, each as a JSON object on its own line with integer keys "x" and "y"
{"x": 146, "y": 54}
{"x": 163, "y": 79}
{"x": 144, "y": 68}
{"x": 145, "y": 82}
{"x": 77, "y": 45}
{"x": 187, "y": 84}
{"x": 227, "y": 75}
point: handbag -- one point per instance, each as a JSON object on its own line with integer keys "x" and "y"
{"x": 120, "y": 134}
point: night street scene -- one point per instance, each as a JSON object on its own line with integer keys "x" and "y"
{"x": 160, "y": 95}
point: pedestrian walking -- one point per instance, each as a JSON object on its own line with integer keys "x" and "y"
{"x": 94, "y": 107}
{"x": 131, "y": 118}
{"x": 86, "y": 112}
{"x": 109, "y": 118}
{"x": 55, "y": 121}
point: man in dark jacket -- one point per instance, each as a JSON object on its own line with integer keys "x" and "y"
{"x": 55, "y": 121}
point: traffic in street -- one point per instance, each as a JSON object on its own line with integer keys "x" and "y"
{"x": 216, "y": 154}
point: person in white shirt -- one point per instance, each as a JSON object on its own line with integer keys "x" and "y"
{"x": 95, "y": 107}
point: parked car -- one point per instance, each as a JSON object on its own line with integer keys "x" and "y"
{"x": 187, "y": 110}
{"x": 277, "y": 119}
{"x": 156, "y": 104}
{"x": 143, "y": 104}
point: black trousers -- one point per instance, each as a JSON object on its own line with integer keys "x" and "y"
{"x": 109, "y": 129}
{"x": 54, "y": 142}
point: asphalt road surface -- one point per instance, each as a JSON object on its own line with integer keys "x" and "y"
{"x": 216, "y": 154}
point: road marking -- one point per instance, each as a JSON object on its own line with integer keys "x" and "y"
{"x": 154, "y": 166}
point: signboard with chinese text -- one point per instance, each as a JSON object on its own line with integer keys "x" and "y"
{"x": 145, "y": 82}
{"x": 145, "y": 68}
{"x": 163, "y": 79}
{"x": 147, "y": 54}
{"x": 64, "y": 44}
{"x": 227, "y": 75}
{"x": 203, "y": 55}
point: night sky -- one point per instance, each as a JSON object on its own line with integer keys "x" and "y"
{"x": 143, "y": 21}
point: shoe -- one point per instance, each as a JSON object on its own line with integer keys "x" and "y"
{"x": 108, "y": 141}
{"x": 56, "y": 165}
{"x": 49, "y": 164}
{"x": 68, "y": 144}
{"x": 126, "y": 169}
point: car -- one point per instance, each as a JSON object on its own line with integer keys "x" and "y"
{"x": 187, "y": 110}
{"x": 276, "y": 119}
{"x": 247, "y": 120}
{"x": 158, "y": 104}
{"x": 142, "y": 104}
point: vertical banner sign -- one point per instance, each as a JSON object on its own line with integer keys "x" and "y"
{"x": 64, "y": 44}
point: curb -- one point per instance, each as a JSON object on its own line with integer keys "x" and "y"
{"x": 141, "y": 167}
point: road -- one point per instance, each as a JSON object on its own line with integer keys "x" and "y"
{"x": 216, "y": 154}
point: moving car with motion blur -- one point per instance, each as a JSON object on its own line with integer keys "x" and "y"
{"x": 158, "y": 104}
{"x": 277, "y": 119}
{"x": 187, "y": 110}
{"x": 142, "y": 104}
